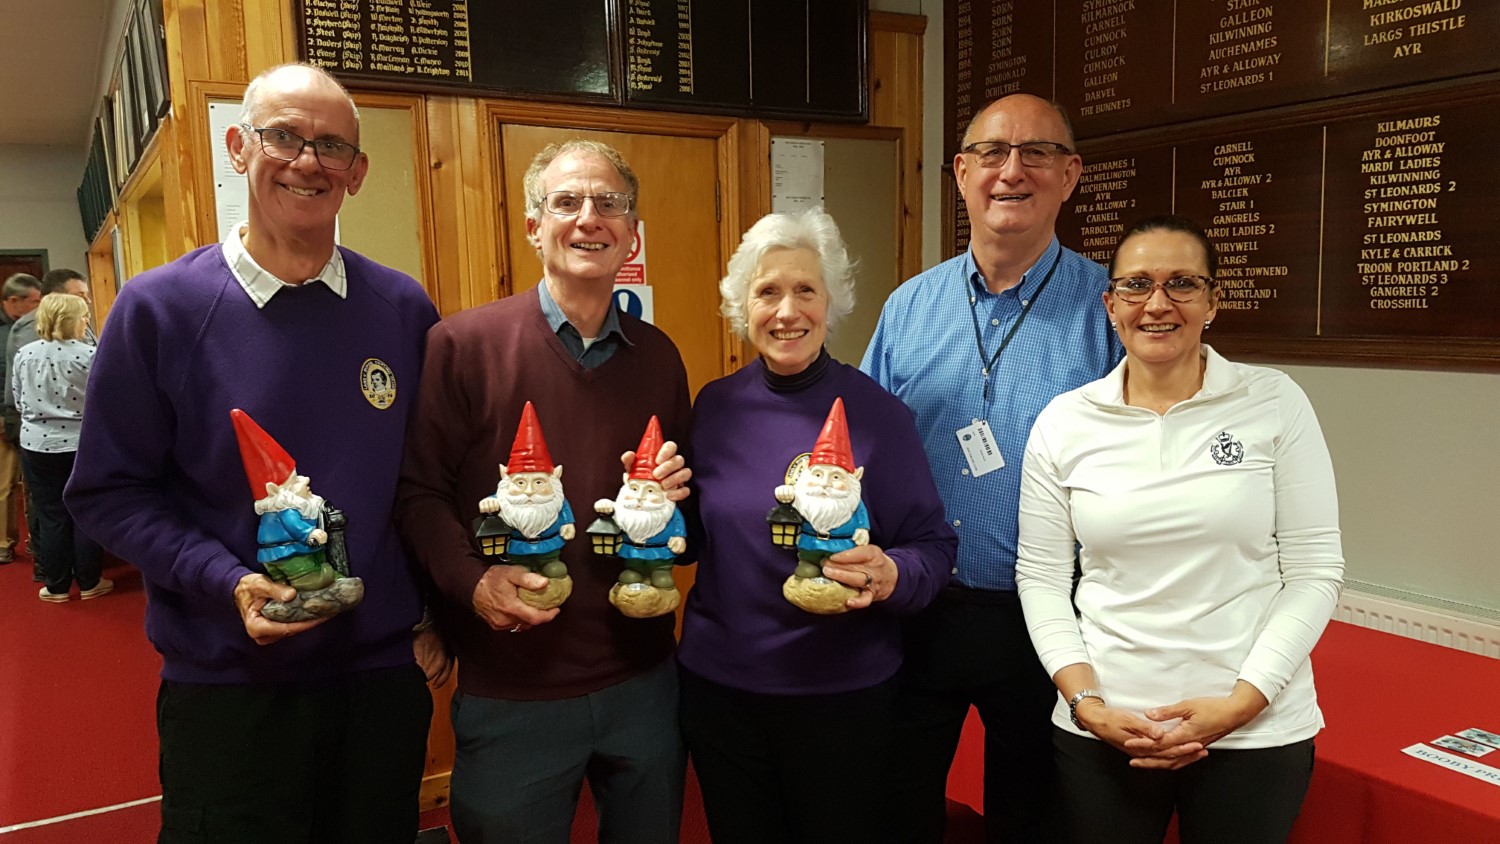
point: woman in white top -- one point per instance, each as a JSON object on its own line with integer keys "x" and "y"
{"x": 1200, "y": 498}
{"x": 48, "y": 380}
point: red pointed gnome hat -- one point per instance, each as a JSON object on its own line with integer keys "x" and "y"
{"x": 266, "y": 462}
{"x": 832, "y": 447}
{"x": 645, "y": 454}
{"x": 529, "y": 452}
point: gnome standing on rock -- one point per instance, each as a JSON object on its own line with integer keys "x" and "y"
{"x": 299, "y": 544}
{"x": 826, "y": 495}
{"x": 654, "y": 534}
{"x": 529, "y": 499}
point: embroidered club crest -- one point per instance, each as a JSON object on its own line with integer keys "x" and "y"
{"x": 378, "y": 383}
{"x": 1226, "y": 450}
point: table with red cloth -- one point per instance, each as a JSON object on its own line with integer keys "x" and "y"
{"x": 1379, "y": 693}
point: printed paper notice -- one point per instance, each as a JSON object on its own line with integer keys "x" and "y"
{"x": 796, "y": 174}
{"x": 1454, "y": 762}
{"x": 231, "y": 192}
{"x": 634, "y": 270}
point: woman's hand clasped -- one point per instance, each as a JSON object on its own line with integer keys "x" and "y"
{"x": 866, "y": 568}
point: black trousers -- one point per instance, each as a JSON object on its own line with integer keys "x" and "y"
{"x": 789, "y": 768}
{"x": 296, "y": 763}
{"x": 971, "y": 647}
{"x": 1228, "y": 797}
{"x": 65, "y": 552}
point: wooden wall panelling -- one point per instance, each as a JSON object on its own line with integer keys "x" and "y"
{"x": 463, "y": 258}
{"x": 226, "y": 40}
{"x": 896, "y": 101}
{"x": 270, "y": 35}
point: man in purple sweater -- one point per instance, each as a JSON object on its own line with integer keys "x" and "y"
{"x": 547, "y": 698}
{"x": 304, "y": 732}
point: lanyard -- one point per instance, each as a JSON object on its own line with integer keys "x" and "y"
{"x": 988, "y": 362}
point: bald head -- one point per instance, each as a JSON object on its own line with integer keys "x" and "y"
{"x": 1018, "y": 106}
{"x": 291, "y": 79}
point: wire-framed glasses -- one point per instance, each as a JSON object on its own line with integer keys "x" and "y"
{"x": 1033, "y": 153}
{"x": 1182, "y": 289}
{"x": 565, "y": 203}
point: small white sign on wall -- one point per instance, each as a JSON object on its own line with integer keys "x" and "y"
{"x": 796, "y": 174}
{"x": 638, "y": 300}
{"x": 634, "y": 271}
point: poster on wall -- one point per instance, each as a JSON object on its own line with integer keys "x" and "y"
{"x": 634, "y": 271}
{"x": 796, "y": 174}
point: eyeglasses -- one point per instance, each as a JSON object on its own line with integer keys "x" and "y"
{"x": 565, "y": 203}
{"x": 1033, "y": 153}
{"x": 1183, "y": 289}
{"x": 286, "y": 146}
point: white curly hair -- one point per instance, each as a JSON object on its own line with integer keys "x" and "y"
{"x": 811, "y": 229}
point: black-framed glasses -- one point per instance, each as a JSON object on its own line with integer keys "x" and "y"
{"x": 288, "y": 146}
{"x": 565, "y": 203}
{"x": 1182, "y": 289}
{"x": 1033, "y": 153}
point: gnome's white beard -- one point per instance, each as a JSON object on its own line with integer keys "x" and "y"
{"x": 310, "y": 506}
{"x": 641, "y": 521}
{"x": 822, "y": 507}
{"x": 531, "y": 515}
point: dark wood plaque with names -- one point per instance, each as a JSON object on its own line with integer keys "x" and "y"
{"x": 777, "y": 58}
{"x": 993, "y": 49}
{"x": 1338, "y": 152}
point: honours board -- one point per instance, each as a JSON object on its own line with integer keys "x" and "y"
{"x": 1334, "y": 150}
{"x": 784, "y": 58}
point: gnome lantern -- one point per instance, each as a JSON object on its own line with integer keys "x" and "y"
{"x": 650, "y": 532}
{"x": 298, "y": 543}
{"x": 536, "y": 516}
{"x": 825, "y": 498}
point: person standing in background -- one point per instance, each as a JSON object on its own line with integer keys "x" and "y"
{"x": 19, "y": 296}
{"x": 48, "y": 378}
{"x": 976, "y": 347}
{"x": 60, "y": 280}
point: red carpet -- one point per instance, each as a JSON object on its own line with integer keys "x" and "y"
{"x": 78, "y": 730}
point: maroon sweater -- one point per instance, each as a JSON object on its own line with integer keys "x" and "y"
{"x": 481, "y": 367}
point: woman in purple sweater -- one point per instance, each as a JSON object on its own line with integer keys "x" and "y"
{"x": 787, "y": 714}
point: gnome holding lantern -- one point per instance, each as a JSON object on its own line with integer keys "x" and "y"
{"x": 534, "y": 517}
{"x": 826, "y": 499}
{"x": 653, "y": 535}
{"x": 300, "y": 540}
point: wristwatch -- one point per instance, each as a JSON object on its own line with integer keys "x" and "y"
{"x": 1077, "y": 699}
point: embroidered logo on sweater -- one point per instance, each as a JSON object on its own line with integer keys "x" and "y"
{"x": 378, "y": 383}
{"x": 1226, "y": 450}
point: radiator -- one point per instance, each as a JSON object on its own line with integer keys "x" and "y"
{"x": 1422, "y": 617}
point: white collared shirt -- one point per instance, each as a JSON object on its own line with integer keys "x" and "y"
{"x": 261, "y": 285}
{"x": 1209, "y": 539}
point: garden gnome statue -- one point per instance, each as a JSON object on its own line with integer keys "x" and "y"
{"x": 298, "y": 544}
{"x": 536, "y": 515}
{"x": 652, "y": 535}
{"x": 826, "y": 496}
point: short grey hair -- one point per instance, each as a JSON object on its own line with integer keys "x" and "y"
{"x": 536, "y": 192}
{"x": 19, "y": 286}
{"x": 250, "y": 103}
{"x": 811, "y": 229}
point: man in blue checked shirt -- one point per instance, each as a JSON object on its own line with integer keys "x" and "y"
{"x": 977, "y": 346}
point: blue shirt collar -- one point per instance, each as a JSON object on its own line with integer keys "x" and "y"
{"x": 556, "y": 320}
{"x": 1030, "y": 280}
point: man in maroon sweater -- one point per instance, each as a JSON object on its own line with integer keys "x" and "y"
{"x": 549, "y": 697}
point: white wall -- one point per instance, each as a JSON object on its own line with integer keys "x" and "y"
{"x": 39, "y": 203}
{"x": 1416, "y": 453}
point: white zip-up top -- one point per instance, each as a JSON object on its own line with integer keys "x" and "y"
{"x": 1208, "y": 541}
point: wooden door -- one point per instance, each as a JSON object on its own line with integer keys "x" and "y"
{"x": 678, "y": 210}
